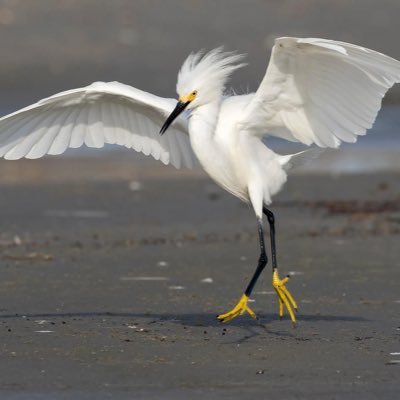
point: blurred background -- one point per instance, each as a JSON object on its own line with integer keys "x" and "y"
{"x": 48, "y": 46}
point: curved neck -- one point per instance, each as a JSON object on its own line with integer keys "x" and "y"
{"x": 202, "y": 125}
{"x": 204, "y": 119}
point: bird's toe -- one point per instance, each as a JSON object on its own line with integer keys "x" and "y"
{"x": 240, "y": 308}
{"x": 285, "y": 299}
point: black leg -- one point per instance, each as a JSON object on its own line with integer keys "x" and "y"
{"x": 285, "y": 298}
{"x": 262, "y": 260}
{"x": 271, "y": 220}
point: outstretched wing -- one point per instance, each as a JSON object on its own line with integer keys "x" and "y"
{"x": 94, "y": 115}
{"x": 320, "y": 91}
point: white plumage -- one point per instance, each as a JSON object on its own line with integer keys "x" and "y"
{"x": 101, "y": 113}
{"x": 320, "y": 91}
{"x": 315, "y": 91}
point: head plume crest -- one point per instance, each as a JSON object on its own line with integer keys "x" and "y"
{"x": 208, "y": 72}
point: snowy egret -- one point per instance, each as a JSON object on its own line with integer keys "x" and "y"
{"x": 315, "y": 91}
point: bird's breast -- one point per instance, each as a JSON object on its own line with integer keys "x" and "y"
{"x": 215, "y": 156}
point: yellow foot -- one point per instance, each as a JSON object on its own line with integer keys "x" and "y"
{"x": 240, "y": 308}
{"x": 284, "y": 297}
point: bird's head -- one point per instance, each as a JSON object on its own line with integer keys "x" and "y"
{"x": 202, "y": 79}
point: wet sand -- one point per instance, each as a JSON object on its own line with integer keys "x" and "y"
{"x": 110, "y": 286}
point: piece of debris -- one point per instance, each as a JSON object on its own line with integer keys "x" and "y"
{"x": 269, "y": 292}
{"x": 135, "y": 186}
{"x": 144, "y": 278}
{"x": 293, "y": 273}
{"x": 162, "y": 264}
{"x": 176, "y": 287}
{"x": 34, "y": 256}
{"x": 76, "y": 213}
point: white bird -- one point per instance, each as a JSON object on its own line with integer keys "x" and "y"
{"x": 315, "y": 91}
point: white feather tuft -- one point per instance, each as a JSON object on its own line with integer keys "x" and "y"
{"x": 207, "y": 73}
{"x": 301, "y": 158}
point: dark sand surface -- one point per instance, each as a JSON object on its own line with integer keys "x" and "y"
{"x": 76, "y": 321}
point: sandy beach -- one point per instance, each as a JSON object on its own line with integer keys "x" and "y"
{"x": 110, "y": 287}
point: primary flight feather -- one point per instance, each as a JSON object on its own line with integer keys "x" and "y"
{"x": 315, "y": 91}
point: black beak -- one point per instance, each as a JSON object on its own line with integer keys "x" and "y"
{"x": 177, "y": 110}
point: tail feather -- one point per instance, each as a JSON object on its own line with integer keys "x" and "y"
{"x": 302, "y": 158}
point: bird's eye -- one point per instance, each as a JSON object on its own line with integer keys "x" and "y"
{"x": 194, "y": 93}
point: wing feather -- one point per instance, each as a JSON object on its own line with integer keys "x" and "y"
{"x": 42, "y": 146}
{"x": 67, "y": 129}
{"x": 101, "y": 113}
{"x": 175, "y": 154}
{"x": 319, "y": 91}
{"x": 143, "y": 127}
{"x": 184, "y": 146}
{"x": 20, "y": 145}
{"x": 18, "y": 129}
{"x": 79, "y": 128}
{"x": 93, "y": 137}
{"x": 61, "y": 141}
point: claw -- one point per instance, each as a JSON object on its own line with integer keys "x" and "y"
{"x": 240, "y": 308}
{"x": 280, "y": 308}
{"x": 284, "y": 297}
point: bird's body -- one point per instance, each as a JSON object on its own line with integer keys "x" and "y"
{"x": 315, "y": 91}
{"x": 233, "y": 159}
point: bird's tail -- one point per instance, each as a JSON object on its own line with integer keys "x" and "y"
{"x": 291, "y": 161}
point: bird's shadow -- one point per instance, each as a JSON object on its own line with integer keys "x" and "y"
{"x": 196, "y": 319}
{"x": 252, "y": 328}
